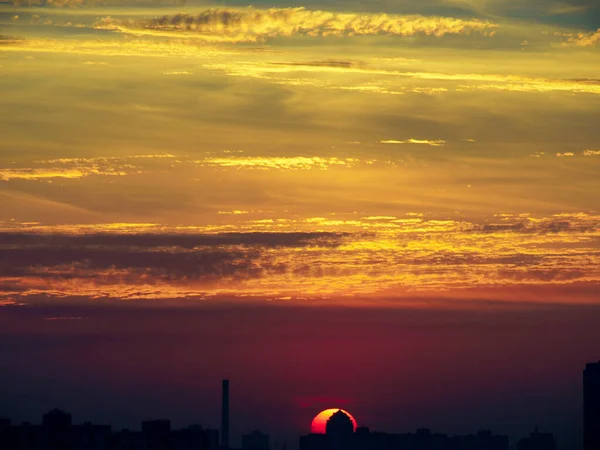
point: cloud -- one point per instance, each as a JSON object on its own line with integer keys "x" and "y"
{"x": 377, "y": 254}
{"x": 542, "y": 275}
{"x": 514, "y": 83}
{"x": 590, "y": 39}
{"x": 256, "y": 25}
{"x": 145, "y": 236}
{"x": 77, "y": 168}
{"x": 82, "y": 3}
{"x": 333, "y": 63}
{"x": 279, "y": 162}
{"x": 565, "y": 154}
{"x": 433, "y": 143}
{"x": 107, "y": 47}
{"x": 390, "y": 81}
{"x": 41, "y": 174}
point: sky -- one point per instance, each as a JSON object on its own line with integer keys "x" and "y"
{"x": 224, "y": 190}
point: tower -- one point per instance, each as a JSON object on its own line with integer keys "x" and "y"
{"x": 225, "y": 415}
{"x": 339, "y": 424}
{"x": 339, "y": 430}
{"x": 591, "y": 406}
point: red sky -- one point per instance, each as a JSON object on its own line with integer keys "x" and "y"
{"x": 395, "y": 370}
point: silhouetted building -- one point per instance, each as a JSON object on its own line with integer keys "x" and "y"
{"x": 56, "y": 419}
{"x": 157, "y": 434}
{"x": 339, "y": 429}
{"x": 29, "y": 437}
{"x": 58, "y": 433}
{"x": 6, "y": 434}
{"x": 314, "y": 441}
{"x": 225, "y": 415}
{"x": 339, "y": 424}
{"x": 127, "y": 440}
{"x": 423, "y": 439}
{"x": 210, "y": 439}
{"x": 483, "y": 440}
{"x": 190, "y": 438}
{"x": 255, "y": 441}
{"x": 537, "y": 441}
{"x": 91, "y": 437}
{"x": 57, "y": 430}
{"x": 591, "y": 406}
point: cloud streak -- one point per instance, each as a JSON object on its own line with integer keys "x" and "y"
{"x": 432, "y": 143}
{"x": 257, "y": 25}
{"x": 78, "y": 168}
{"x": 279, "y": 162}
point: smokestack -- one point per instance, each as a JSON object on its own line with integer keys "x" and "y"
{"x": 225, "y": 415}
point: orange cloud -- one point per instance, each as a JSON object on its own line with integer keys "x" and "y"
{"x": 294, "y": 257}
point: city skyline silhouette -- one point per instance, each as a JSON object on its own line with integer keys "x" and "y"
{"x": 331, "y": 429}
{"x": 102, "y": 374}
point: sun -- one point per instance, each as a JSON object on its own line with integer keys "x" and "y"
{"x": 320, "y": 421}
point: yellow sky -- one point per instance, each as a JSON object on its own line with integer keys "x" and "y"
{"x": 336, "y": 153}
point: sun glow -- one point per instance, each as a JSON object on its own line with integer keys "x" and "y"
{"x": 320, "y": 421}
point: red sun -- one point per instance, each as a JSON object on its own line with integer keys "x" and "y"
{"x": 320, "y": 420}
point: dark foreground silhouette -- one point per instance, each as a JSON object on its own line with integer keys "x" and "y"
{"x": 57, "y": 432}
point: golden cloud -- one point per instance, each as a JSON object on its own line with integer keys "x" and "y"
{"x": 40, "y": 174}
{"x": 279, "y": 162}
{"x": 255, "y": 25}
{"x": 77, "y": 168}
{"x": 433, "y": 143}
{"x": 585, "y": 39}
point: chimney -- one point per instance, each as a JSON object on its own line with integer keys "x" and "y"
{"x": 225, "y": 415}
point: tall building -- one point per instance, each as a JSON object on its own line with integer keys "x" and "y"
{"x": 591, "y": 406}
{"x": 225, "y": 415}
{"x": 339, "y": 430}
{"x": 339, "y": 424}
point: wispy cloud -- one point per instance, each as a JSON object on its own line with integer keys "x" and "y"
{"x": 254, "y": 25}
{"x": 279, "y": 162}
{"x": 393, "y": 81}
{"x": 566, "y": 154}
{"x": 107, "y": 47}
{"x": 433, "y": 143}
{"x": 49, "y": 173}
{"x": 77, "y": 168}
